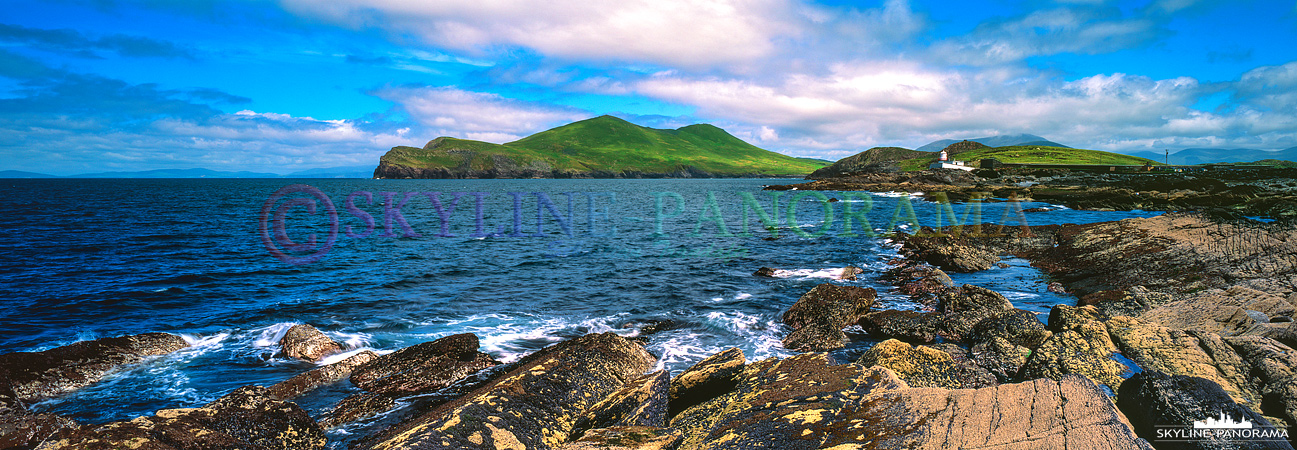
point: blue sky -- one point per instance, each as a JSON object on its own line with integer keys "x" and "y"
{"x": 280, "y": 86}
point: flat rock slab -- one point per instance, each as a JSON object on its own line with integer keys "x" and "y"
{"x": 35, "y": 376}
{"x": 534, "y": 406}
{"x": 1068, "y": 414}
{"x": 246, "y": 419}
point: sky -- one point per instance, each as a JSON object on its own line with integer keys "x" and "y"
{"x": 281, "y": 86}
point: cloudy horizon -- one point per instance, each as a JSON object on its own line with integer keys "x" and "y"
{"x": 282, "y": 86}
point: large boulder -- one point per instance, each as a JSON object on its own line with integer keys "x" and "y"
{"x": 967, "y": 306}
{"x": 306, "y": 343}
{"x": 918, "y": 366}
{"x": 949, "y": 253}
{"x": 246, "y": 419}
{"x": 1180, "y": 352}
{"x": 534, "y": 406}
{"x": 1018, "y": 326}
{"x": 1000, "y": 357}
{"x": 20, "y": 429}
{"x": 909, "y": 326}
{"x": 423, "y": 367}
{"x": 1071, "y": 352}
{"x": 30, "y": 377}
{"x": 818, "y": 317}
{"x": 778, "y": 404}
{"x": 642, "y": 402}
{"x": 418, "y": 369}
{"x": 1155, "y": 402}
{"x": 1215, "y": 311}
{"x": 1273, "y": 367}
{"x": 709, "y": 378}
{"x": 971, "y": 375}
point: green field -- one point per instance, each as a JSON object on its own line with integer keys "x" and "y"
{"x": 1031, "y": 154}
{"x": 608, "y": 144}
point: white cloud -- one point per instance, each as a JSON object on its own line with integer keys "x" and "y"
{"x": 447, "y": 111}
{"x": 1048, "y": 32}
{"x": 676, "y": 32}
{"x": 863, "y": 105}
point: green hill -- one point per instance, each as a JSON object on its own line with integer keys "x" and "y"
{"x": 602, "y": 147}
{"x": 1031, "y": 154}
{"x": 868, "y": 160}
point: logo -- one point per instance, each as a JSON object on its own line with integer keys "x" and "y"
{"x": 1224, "y": 422}
{"x": 1223, "y": 427}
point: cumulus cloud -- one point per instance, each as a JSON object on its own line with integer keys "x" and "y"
{"x": 1049, "y": 32}
{"x": 676, "y": 32}
{"x": 448, "y": 111}
{"x": 859, "y": 106}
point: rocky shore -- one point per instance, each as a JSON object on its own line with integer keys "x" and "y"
{"x": 1180, "y": 318}
{"x": 1270, "y": 192}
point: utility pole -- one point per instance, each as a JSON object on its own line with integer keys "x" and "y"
{"x": 1168, "y": 156}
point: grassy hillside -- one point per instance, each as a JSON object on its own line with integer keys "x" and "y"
{"x": 863, "y": 160}
{"x": 602, "y": 145}
{"x": 1020, "y": 154}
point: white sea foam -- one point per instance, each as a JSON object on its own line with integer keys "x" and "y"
{"x": 742, "y": 295}
{"x": 271, "y": 335}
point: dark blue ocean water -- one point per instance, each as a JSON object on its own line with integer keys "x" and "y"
{"x": 83, "y": 259}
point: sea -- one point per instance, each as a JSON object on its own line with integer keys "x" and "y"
{"x": 231, "y": 264}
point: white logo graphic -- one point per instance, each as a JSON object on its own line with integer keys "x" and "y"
{"x": 1225, "y": 421}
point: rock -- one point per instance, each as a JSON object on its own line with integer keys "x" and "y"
{"x": 1179, "y": 352}
{"x": 966, "y": 307}
{"x": 30, "y": 377}
{"x": 921, "y": 282}
{"x": 1086, "y": 320}
{"x": 849, "y": 273}
{"x": 1273, "y": 368}
{"x": 909, "y": 326}
{"x": 1015, "y": 325}
{"x": 1000, "y": 357}
{"x": 1281, "y": 319}
{"x": 20, "y": 429}
{"x": 767, "y": 272}
{"x": 969, "y": 373}
{"x": 1153, "y": 401}
{"x": 1070, "y": 352}
{"x": 311, "y": 380}
{"x": 306, "y": 343}
{"x": 1068, "y": 414}
{"x": 534, "y": 406}
{"x": 1056, "y": 288}
{"x": 246, "y": 419}
{"x": 818, "y": 317}
{"x": 423, "y": 367}
{"x": 627, "y": 438}
{"x": 709, "y": 378}
{"x": 949, "y": 253}
{"x": 641, "y": 402}
{"x": 918, "y": 366}
{"x": 780, "y": 404}
{"x": 356, "y": 407}
{"x": 1214, "y": 311}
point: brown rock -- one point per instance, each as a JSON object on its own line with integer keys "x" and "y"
{"x": 918, "y": 366}
{"x": 1018, "y": 326}
{"x": 534, "y": 406}
{"x": 626, "y": 438}
{"x": 306, "y": 343}
{"x": 1213, "y": 311}
{"x": 1178, "y": 352}
{"x": 818, "y": 317}
{"x": 709, "y": 378}
{"x": 1070, "y": 352}
{"x": 767, "y": 272}
{"x": 909, "y": 326}
{"x": 966, "y": 307}
{"x": 31, "y": 377}
{"x": 1000, "y": 357}
{"x": 311, "y": 380}
{"x": 423, "y": 367}
{"x": 246, "y": 419}
{"x": 1067, "y": 414}
{"x": 640, "y": 402}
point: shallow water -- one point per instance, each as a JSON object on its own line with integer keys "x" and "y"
{"x": 82, "y": 259}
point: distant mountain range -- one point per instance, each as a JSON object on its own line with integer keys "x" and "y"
{"x": 329, "y": 172}
{"x": 1004, "y": 140}
{"x": 601, "y": 147}
{"x": 1219, "y": 155}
